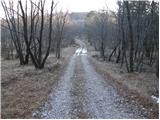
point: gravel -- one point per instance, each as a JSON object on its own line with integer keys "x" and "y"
{"x": 97, "y": 99}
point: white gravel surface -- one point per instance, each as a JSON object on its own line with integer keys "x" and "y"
{"x": 99, "y": 100}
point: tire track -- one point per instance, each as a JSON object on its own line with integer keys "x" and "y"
{"x": 82, "y": 93}
{"x": 103, "y": 100}
{"x": 77, "y": 93}
{"x": 60, "y": 101}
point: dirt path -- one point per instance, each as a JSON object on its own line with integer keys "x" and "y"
{"x": 83, "y": 93}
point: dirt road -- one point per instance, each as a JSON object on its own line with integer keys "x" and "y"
{"x": 83, "y": 93}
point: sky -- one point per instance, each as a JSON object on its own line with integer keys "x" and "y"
{"x": 76, "y": 5}
{"x": 86, "y": 5}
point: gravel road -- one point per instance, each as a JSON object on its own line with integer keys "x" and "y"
{"x": 83, "y": 93}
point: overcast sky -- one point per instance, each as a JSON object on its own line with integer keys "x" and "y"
{"x": 75, "y": 5}
{"x": 86, "y": 5}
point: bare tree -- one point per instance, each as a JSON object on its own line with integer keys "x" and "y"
{"x": 14, "y": 30}
{"x": 60, "y": 20}
{"x": 131, "y": 62}
{"x": 98, "y": 29}
{"x": 30, "y": 23}
{"x": 101, "y": 21}
{"x": 35, "y": 50}
{"x": 135, "y": 34}
{"x": 7, "y": 47}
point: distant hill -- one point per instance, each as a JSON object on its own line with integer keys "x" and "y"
{"x": 78, "y": 16}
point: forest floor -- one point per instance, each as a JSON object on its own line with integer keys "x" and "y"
{"x": 24, "y": 88}
{"x": 142, "y": 88}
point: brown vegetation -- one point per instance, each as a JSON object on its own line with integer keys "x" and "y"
{"x": 136, "y": 87}
{"x": 25, "y": 88}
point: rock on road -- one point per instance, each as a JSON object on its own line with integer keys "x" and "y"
{"x": 83, "y": 93}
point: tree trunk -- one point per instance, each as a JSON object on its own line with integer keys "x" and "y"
{"x": 131, "y": 62}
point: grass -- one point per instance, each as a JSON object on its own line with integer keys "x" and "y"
{"x": 24, "y": 88}
{"x": 137, "y": 87}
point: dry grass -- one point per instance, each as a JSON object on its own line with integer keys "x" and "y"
{"x": 134, "y": 86}
{"x": 24, "y": 88}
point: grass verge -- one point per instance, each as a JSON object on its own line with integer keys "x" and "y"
{"x": 135, "y": 87}
{"x": 24, "y": 89}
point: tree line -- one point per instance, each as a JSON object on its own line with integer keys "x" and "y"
{"x": 32, "y": 30}
{"x": 132, "y": 34}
